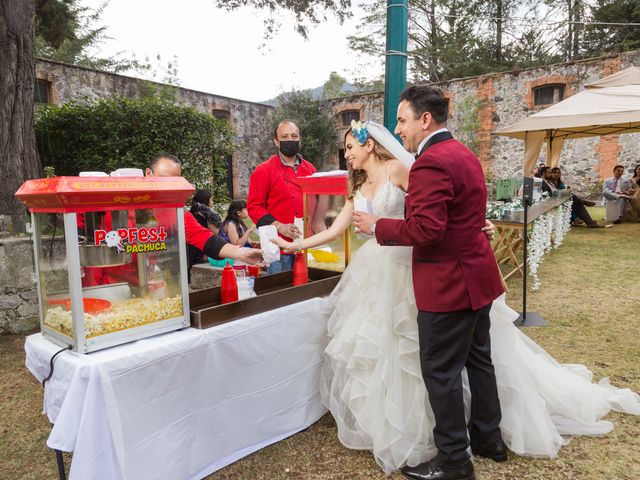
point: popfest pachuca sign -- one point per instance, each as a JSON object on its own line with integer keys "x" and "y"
{"x": 133, "y": 240}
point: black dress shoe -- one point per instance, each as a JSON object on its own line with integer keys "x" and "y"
{"x": 435, "y": 470}
{"x": 617, "y": 222}
{"x": 496, "y": 451}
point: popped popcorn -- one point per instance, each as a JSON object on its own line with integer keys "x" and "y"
{"x": 125, "y": 314}
{"x": 337, "y": 266}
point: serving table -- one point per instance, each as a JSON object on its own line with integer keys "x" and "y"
{"x": 508, "y": 235}
{"x": 184, "y": 404}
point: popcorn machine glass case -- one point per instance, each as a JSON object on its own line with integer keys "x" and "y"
{"x": 119, "y": 271}
{"x": 336, "y": 255}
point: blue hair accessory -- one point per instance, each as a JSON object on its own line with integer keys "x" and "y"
{"x": 360, "y": 132}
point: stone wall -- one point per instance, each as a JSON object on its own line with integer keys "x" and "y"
{"x": 505, "y": 98}
{"x": 251, "y": 121}
{"x": 18, "y": 297}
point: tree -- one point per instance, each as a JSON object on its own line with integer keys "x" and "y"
{"x": 65, "y": 31}
{"x": 460, "y": 38}
{"x": 307, "y": 12}
{"x": 568, "y": 32}
{"x": 332, "y": 88}
{"x": 117, "y": 132}
{"x": 316, "y": 122}
{"x": 18, "y": 158}
{"x": 604, "y": 39}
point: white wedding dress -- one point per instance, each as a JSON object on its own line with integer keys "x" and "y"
{"x": 372, "y": 383}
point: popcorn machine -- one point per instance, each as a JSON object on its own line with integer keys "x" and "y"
{"x": 119, "y": 271}
{"x": 336, "y": 255}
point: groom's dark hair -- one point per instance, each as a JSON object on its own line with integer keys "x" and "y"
{"x": 425, "y": 98}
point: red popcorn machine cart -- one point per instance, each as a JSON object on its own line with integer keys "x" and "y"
{"x": 110, "y": 257}
{"x": 336, "y": 255}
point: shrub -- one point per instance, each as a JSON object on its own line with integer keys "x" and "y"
{"x": 118, "y": 132}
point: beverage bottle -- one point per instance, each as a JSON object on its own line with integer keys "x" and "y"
{"x": 229, "y": 285}
{"x": 300, "y": 272}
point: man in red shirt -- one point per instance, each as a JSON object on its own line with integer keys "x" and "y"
{"x": 198, "y": 237}
{"x": 275, "y": 198}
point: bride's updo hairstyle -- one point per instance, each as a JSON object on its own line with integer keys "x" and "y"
{"x": 360, "y": 134}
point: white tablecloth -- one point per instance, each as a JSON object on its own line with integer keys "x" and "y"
{"x": 184, "y": 404}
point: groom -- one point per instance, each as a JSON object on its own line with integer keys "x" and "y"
{"x": 455, "y": 278}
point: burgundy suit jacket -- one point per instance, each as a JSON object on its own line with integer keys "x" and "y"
{"x": 453, "y": 264}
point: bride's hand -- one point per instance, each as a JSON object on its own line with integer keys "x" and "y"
{"x": 283, "y": 244}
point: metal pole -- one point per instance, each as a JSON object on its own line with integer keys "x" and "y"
{"x": 525, "y": 241}
{"x": 60, "y": 463}
{"x": 532, "y": 319}
{"x": 395, "y": 77}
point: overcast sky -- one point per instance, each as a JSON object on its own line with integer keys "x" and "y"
{"x": 219, "y": 52}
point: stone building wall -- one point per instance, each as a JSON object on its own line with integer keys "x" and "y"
{"x": 18, "y": 297}
{"x": 505, "y": 98}
{"x": 251, "y": 121}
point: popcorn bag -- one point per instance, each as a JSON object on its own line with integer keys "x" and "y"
{"x": 362, "y": 204}
{"x": 299, "y": 224}
{"x": 270, "y": 251}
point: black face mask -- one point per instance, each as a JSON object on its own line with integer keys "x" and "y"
{"x": 289, "y": 148}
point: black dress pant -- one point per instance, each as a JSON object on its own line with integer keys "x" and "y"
{"x": 450, "y": 342}
{"x": 580, "y": 211}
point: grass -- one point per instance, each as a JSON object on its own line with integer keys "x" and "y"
{"x": 590, "y": 296}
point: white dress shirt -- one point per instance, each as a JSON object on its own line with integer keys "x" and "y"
{"x": 426, "y": 139}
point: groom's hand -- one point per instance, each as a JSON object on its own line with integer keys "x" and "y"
{"x": 363, "y": 221}
{"x": 489, "y": 229}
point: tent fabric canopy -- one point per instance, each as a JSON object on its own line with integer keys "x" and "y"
{"x": 628, "y": 76}
{"x": 608, "y": 106}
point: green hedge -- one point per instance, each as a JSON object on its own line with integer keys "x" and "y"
{"x": 117, "y": 132}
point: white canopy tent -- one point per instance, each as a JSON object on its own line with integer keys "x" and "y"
{"x": 608, "y": 106}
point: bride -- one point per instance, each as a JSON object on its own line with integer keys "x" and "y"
{"x": 371, "y": 379}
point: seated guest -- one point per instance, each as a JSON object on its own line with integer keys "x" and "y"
{"x": 632, "y": 212}
{"x": 547, "y": 183}
{"x": 556, "y": 178}
{"x": 635, "y": 179}
{"x": 578, "y": 210}
{"x": 616, "y": 194}
{"x": 207, "y": 217}
{"x": 202, "y": 210}
{"x": 204, "y": 197}
{"x": 233, "y": 229}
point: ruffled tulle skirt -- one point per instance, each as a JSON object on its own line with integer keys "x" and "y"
{"x": 372, "y": 383}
